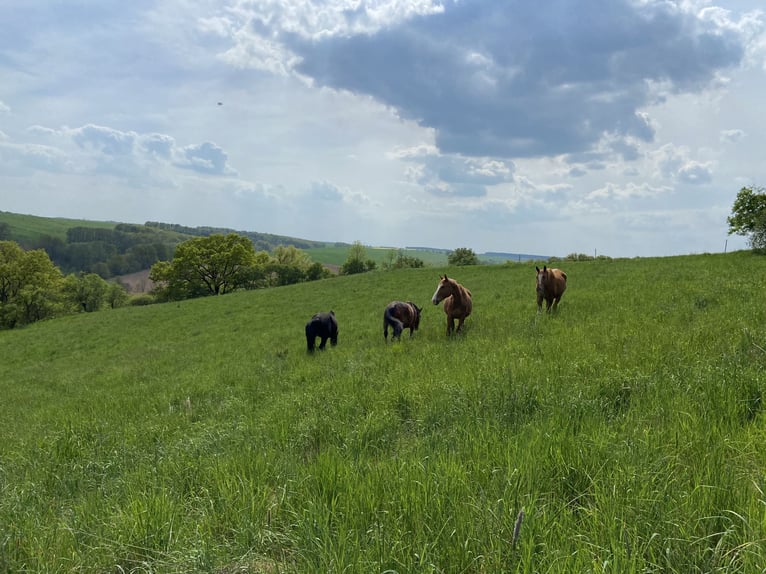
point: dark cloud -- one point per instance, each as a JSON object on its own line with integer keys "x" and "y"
{"x": 519, "y": 78}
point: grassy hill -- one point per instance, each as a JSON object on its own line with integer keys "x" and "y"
{"x": 201, "y": 437}
{"x": 27, "y": 230}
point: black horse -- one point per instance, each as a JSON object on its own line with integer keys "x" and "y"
{"x": 401, "y": 316}
{"x": 323, "y": 325}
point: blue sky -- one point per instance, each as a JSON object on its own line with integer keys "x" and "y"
{"x": 620, "y": 127}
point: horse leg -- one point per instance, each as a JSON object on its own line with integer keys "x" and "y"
{"x": 539, "y": 303}
{"x": 322, "y": 344}
{"x": 450, "y": 325}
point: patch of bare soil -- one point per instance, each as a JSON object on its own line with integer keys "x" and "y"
{"x": 136, "y": 283}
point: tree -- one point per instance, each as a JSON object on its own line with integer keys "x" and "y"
{"x": 355, "y": 262}
{"x": 398, "y": 260}
{"x": 317, "y": 271}
{"x": 462, "y": 256}
{"x": 212, "y": 265}
{"x": 292, "y": 257}
{"x": 116, "y": 295}
{"x": 29, "y": 285}
{"x": 86, "y": 291}
{"x": 748, "y": 216}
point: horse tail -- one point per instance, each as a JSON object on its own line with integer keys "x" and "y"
{"x": 390, "y": 319}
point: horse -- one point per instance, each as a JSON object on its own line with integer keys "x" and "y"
{"x": 400, "y": 316}
{"x": 551, "y": 284}
{"x": 457, "y": 302}
{"x": 323, "y": 325}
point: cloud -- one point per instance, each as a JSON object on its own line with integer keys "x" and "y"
{"x": 674, "y": 163}
{"x": 206, "y": 157}
{"x": 22, "y": 157}
{"x": 623, "y": 192}
{"x": 125, "y": 153}
{"x": 325, "y": 191}
{"x": 489, "y": 87}
{"x": 105, "y": 140}
{"x": 732, "y": 136}
{"x": 454, "y": 175}
{"x": 695, "y": 172}
{"x": 157, "y": 145}
{"x": 4, "y": 108}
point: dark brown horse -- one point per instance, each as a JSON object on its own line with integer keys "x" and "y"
{"x": 324, "y": 326}
{"x": 400, "y": 316}
{"x": 551, "y": 284}
{"x": 457, "y": 302}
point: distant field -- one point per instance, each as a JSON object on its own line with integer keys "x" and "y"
{"x": 624, "y": 434}
{"x": 338, "y": 255}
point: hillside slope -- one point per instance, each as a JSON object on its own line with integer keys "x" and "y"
{"x": 201, "y": 437}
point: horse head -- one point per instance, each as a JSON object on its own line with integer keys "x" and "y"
{"x": 443, "y": 290}
{"x": 542, "y": 278}
{"x": 415, "y": 314}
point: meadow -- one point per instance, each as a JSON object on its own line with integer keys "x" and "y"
{"x": 623, "y": 434}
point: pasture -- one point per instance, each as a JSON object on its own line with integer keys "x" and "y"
{"x": 201, "y": 436}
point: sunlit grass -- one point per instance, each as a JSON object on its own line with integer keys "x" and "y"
{"x": 200, "y": 436}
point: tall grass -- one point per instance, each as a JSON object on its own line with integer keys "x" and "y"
{"x": 200, "y": 436}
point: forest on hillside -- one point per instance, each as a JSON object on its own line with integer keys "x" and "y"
{"x": 115, "y": 249}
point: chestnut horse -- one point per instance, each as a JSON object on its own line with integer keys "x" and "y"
{"x": 457, "y": 302}
{"x": 551, "y": 284}
{"x": 400, "y": 316}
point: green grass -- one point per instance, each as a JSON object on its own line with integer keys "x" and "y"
{"x": 201, "y": 437}
{"x": 28, "y": 229}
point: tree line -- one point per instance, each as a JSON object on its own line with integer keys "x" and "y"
{"x": 218, "y": 264}
{"x": 126, "y": 248}
{"x": 33, "y": 288}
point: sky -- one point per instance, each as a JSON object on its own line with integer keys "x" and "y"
{"x": 611, "y": 127}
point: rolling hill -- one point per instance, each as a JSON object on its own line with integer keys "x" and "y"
{"x": 623, "y": 434}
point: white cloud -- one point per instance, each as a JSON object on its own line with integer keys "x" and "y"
{"x": 206, "y": 157}
{"x": 732, "y": 136}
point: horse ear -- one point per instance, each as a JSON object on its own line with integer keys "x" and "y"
{"x": 538, "y": 269}
{"x": 545, "y": 268}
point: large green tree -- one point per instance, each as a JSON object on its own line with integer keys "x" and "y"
{"x": 88, "y": 291}
{"x": 462, "y": 256}
{"x": 748, "y": 216}
{"x": 29, "y": 285}
{"x": 211, "y": 265}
